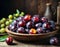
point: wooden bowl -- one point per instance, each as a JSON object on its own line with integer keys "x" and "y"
{"x": 30, "y": 37}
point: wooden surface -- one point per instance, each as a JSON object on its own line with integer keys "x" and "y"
{"x": 22, "y": 44}
{"x": 40, "y": 43}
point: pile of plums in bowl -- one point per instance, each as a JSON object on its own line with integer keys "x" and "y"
{"x": 31, "y": 28}
{"x": 32, "y": 25}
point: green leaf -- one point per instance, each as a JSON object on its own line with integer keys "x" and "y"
{"x": 3, "y": 38}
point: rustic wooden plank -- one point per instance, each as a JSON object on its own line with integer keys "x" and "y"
{"x": 30, "y": 6}
{"x": 42, "y": 5}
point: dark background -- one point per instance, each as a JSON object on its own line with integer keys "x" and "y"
{"x": 9, "y": 6}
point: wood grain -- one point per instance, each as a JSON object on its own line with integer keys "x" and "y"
{"x": 31, "y": 6}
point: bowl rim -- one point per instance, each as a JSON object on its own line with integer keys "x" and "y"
{"x": 42, "y": 34}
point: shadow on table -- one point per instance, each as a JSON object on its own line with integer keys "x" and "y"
{"x": 38, "y": 42}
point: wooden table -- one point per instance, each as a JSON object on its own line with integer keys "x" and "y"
{"x": 41, "y": 43}
{"x": 24, "y": 44}
{"x": 44, "y": 43}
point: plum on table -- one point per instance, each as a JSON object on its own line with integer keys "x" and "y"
{"x": 54, "y": 40}
{"x": 9, "y": 40}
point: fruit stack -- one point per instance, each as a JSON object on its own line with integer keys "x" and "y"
{"x": 32, "y": 25}
{"x": 7, "y": 21}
